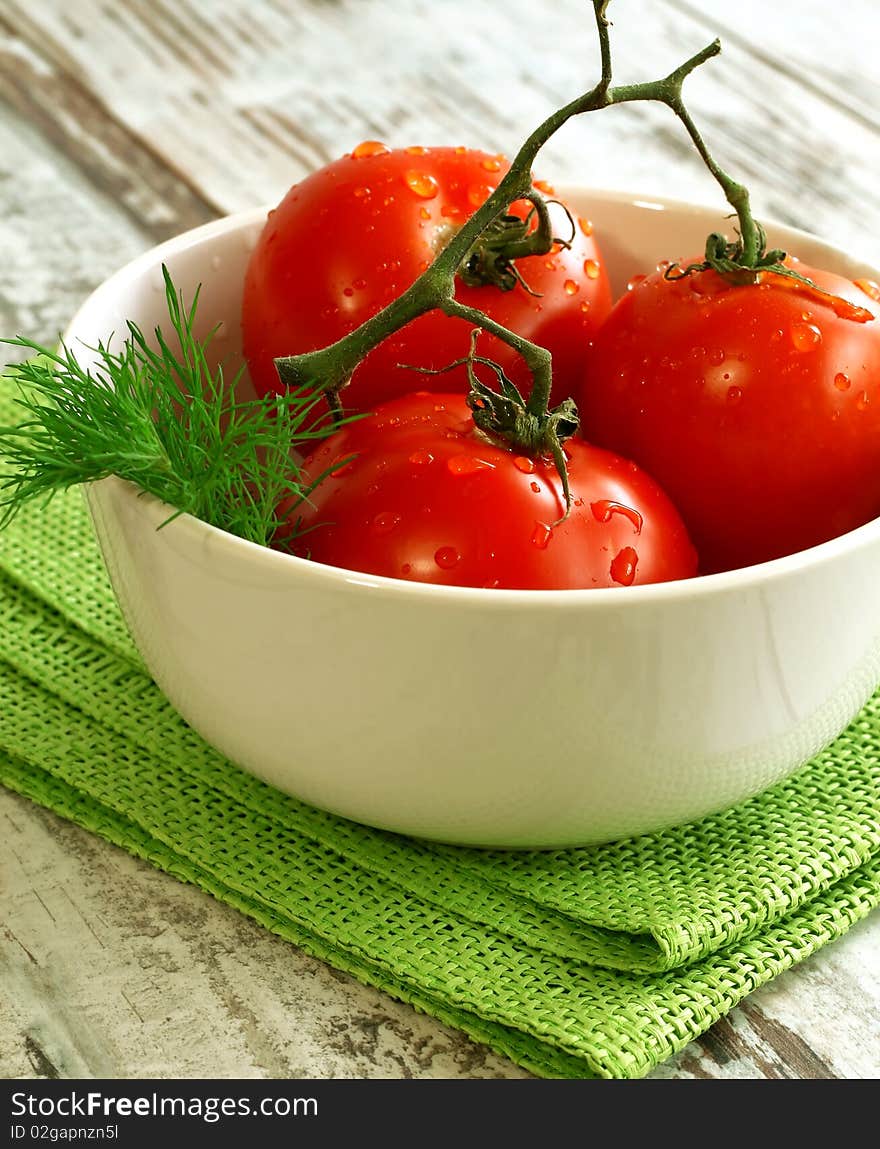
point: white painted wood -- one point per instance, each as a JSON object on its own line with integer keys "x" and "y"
{"x": 113, "y": 969}
{"x": 246, "y": 98}
{"x": 124, "y": 123}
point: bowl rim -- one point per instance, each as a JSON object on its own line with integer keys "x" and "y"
{"x": 199, "y": 533}
{"x": 697, "y": 587}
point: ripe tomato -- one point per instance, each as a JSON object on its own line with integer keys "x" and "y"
{"x": 355, "y": 234}
{"x": 428, "y": 498}
{"x": 757, "y": 408}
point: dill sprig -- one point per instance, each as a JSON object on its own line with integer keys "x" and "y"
{"x": 157, "y": 415}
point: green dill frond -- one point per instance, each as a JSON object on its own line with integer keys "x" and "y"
{"x": 159, "y": 416}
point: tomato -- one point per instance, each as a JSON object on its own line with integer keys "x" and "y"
{"x": 757, "y": 408}
{"x": 354, "y": 235}
{"x": 427, "y": 498}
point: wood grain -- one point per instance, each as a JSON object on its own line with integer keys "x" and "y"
{"x": 124, "y": 123}
{"x": 242, "y": 100}
{"x": 113, "y": 969}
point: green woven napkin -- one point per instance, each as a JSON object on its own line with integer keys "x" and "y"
{"x": 574, "y": 963}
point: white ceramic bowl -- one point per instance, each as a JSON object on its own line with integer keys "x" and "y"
{"x": 502, "y": 718}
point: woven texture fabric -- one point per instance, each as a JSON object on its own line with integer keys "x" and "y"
{"x": 600, "y": 961}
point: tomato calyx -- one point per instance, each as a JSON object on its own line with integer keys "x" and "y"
{"x": 505, "y": 418}
{"x": 492, "y": 258}
{"x": 737, "y": 266}
{"x": 732, "y": 263}
{"x": 527, "y": 426}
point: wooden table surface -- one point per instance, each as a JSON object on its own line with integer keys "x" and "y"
{"x": 124, "y": 122}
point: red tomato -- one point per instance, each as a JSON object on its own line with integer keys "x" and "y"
{"x": 757, "y": 408}
{"x": 427, "y": 498}
{"x": 353, "y": 236}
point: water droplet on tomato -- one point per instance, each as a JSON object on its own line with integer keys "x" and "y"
{"x": 446, "y": 557}
{"x": 359, "y": 284}
{"x": 870, "y": 288}
{"x": 406, "y": 569}
{"x": 349, "y": 291}
{"x": 585, "y": 306}
{"x": 492, "y": 165}
{"x": 805, "y": 336}
{"x": 421, "y": 184}
{"x": 421, "y": 458}
{"x": 543, "y": 186}
{"x": 541, "y": 536}
{"x": 384, "y": 522}
{"x": 603, "y": 509}
{"x": 570, "y": 287}
{"x": 586, "y": 225}
{"x": 734, "y": 394}
{"x": 478, "y": 194}
{"x": 524, "y": 463}
{"x": 623, "y": 566}
{"x": 416, "y": 150}
{"x": 591, "y": 268}
{"x": 862, "y": 401}
{"x": 536, "y": 488}
{"x": 370, "y": 148}
{"x": 841, "y": 381}
{"x": 439, "y": 406}
{"x": 460, "y": 151}
{"x": 450, "y": 211}
{"x": 361, "y": 192}
{"x": 550, "y": 264}
{"x": 717, "y": 356}
{"x": 467, "y": 465}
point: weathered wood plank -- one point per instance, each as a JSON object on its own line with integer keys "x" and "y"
{"x": 118, "y": 162}
{"x": 113, "y": 969}
{"x": 58, "y": 236}
{"x": 831, "y": 56}
{"x": 245, "y": 98}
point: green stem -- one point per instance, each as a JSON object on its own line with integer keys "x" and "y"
{"x": 603, "y": 23}
{"x": 508, "y": 238}
{"x": 737, "y": 195}
{"x": 669, "y": 92}
{"x": 536, "y": 358}
{"x": 537, "y": 242}
{"x": 330, "y": 368}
